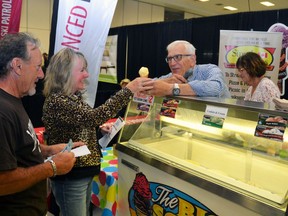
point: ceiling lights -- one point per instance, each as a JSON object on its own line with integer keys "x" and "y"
{"x": 266, "y": 3}
{"x": 230, "y": 8}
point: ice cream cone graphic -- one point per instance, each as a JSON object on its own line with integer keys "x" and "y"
{"x": 142, "y": 195}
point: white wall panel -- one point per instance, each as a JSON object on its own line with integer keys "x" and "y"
{"x": 157, "y": 14}
{"x": 189, "y": 15}
{"x": 24, "y": 15}
{"x": 36, "y": 17}
{"x": 39, "y": 14}
{"x": 130, "y": 12}
{"x": 118, "y": 14}
{"x": 145, "y": 13}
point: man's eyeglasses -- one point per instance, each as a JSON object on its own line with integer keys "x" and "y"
{"x": 176, "y": 58}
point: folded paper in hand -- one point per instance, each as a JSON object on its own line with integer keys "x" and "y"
{"x": 104, "y": 141}
{"x": 81, "y": 151}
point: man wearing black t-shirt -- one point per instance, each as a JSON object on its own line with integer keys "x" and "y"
{"x": 23, "y": 172}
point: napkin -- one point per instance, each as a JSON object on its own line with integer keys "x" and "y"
{"x": 281, "y": 103}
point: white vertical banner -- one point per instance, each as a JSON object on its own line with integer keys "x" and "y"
{"x": 233, "y": 44}
{"x": 83, "y": 25}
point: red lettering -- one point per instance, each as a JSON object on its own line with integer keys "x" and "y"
{"x": 75, "y": 26}
{"x": 73, "y": 41}
{"x": 81, "y": 9}
{"x": 73, "y": 34}
{"x": 76, "y": 21}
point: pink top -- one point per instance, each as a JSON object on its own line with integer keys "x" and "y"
{"x": 265, "y": 91}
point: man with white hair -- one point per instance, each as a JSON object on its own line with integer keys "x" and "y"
{"x": 188, "y": 78}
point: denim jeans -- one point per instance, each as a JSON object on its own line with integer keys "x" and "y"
{"x": 73, "y": 196}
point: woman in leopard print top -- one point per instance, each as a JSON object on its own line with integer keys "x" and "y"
{"x": 67, "y": 116}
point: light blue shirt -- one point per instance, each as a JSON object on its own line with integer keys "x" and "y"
{"x": 207, "y": 80}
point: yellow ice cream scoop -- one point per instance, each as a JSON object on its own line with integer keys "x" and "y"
{"x": 144, "y": 72}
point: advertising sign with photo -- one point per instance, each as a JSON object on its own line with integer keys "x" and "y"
{"x": 234, "y": 44}
{"x": 271, "y": 127}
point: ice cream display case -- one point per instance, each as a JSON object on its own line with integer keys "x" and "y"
{"x": 204, "y": 156}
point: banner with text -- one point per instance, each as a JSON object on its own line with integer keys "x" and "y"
{"x": 83, "y": 25}
{"x": 233, "y": 44}
{"x": 10, "y": 16}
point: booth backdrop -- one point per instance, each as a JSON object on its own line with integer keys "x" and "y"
{"x": 147, "y": 42}
{"x": 147, "y": 46}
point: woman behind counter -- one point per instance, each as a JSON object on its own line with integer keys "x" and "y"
{"x": 66, "y": 116}
{"x": 252, "y": 70}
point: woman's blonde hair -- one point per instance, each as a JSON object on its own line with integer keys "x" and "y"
{"x": 59, "y": 76}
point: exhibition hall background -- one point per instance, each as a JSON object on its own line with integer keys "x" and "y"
{"x": 147, "y": 42}
{"x": 145, "y": 45}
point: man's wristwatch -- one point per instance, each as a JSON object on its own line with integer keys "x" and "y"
{"x": 176, "y": 90}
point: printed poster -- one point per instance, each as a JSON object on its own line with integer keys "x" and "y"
{"x": 144, "y": 101}
{"x": 283, "y": 67}
{"x": 271, "y": 127}
{"x": 234, "y": 44}
{"x": 169, "y": 107}
{"x": 108, "y": 69}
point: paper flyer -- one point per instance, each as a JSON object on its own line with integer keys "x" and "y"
{"x": 104, "y": 141}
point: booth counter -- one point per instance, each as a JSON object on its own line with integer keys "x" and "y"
{"x": 204, "y": 156}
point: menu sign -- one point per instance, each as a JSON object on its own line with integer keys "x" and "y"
{"x": 271, "y": 127}
{"x": 169, "y": 107}
{"x": 214, "y": 116}
{"x": 144, "y": 101}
